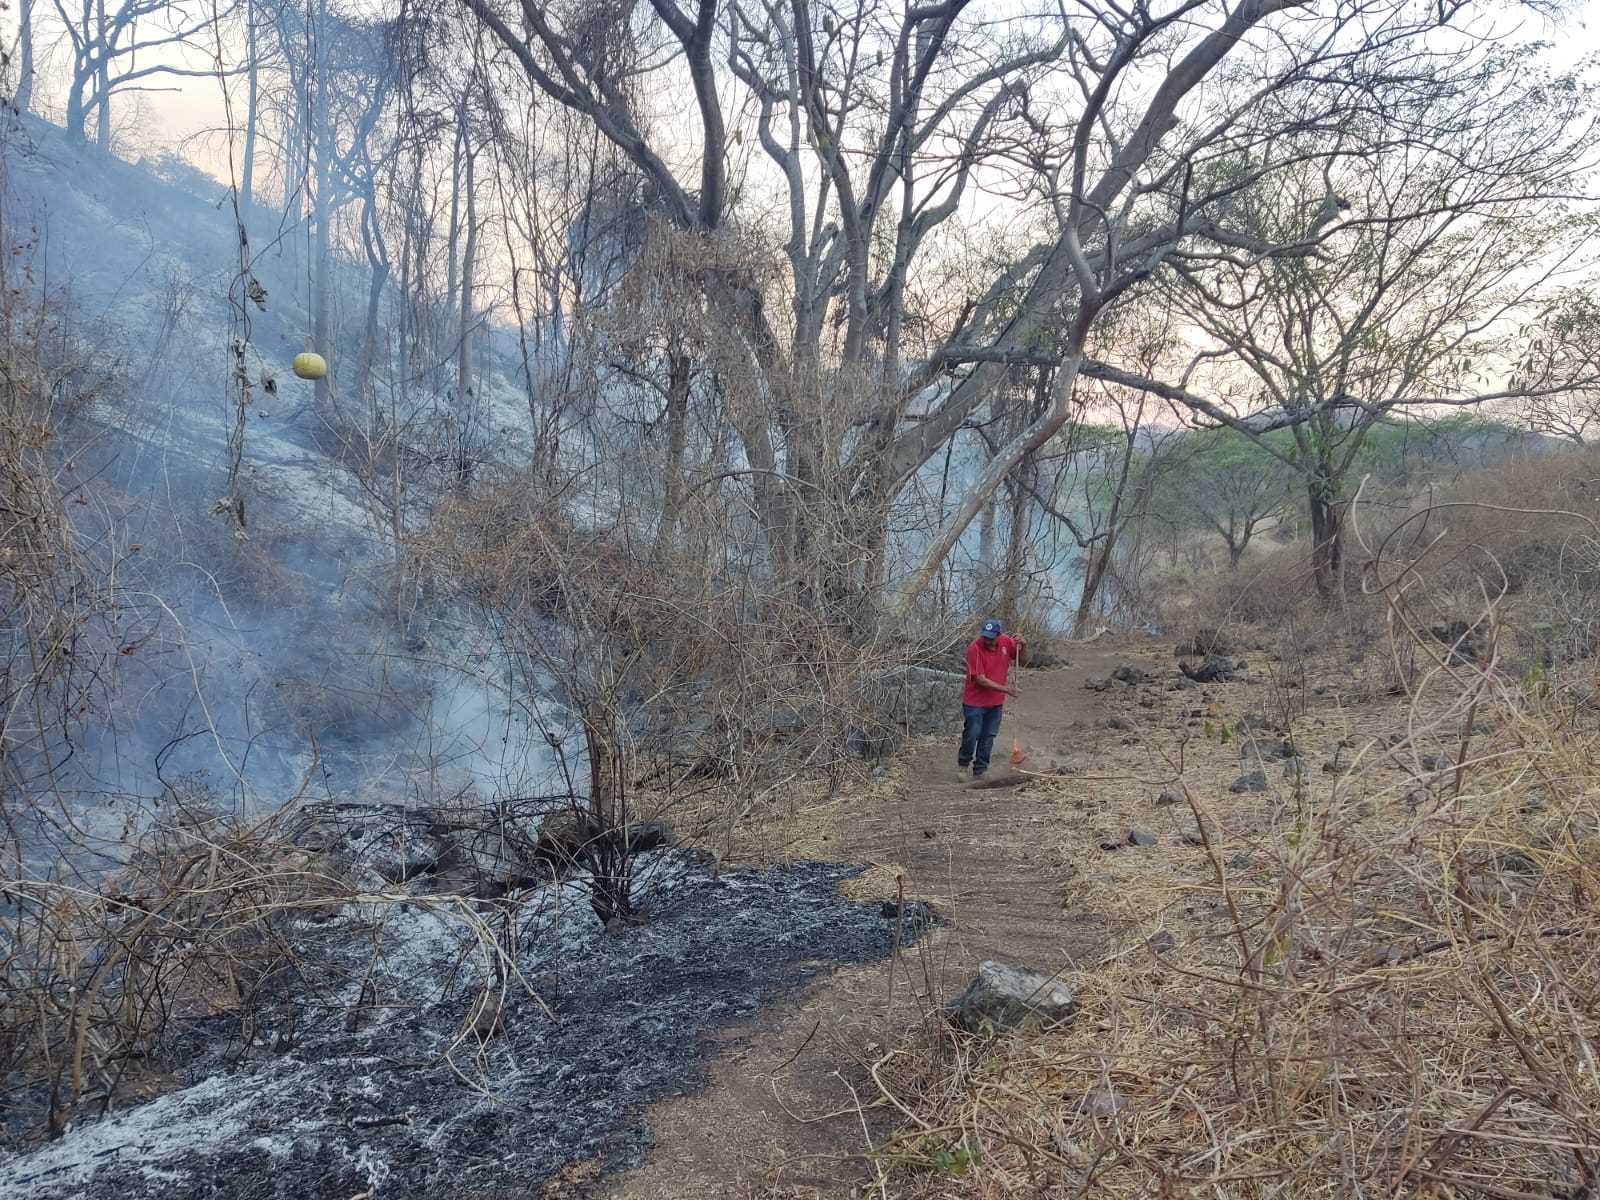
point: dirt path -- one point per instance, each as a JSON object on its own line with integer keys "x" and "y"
{"x": 778, "y": 1111}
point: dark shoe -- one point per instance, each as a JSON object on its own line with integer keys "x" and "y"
{"x": 978, "y": 774}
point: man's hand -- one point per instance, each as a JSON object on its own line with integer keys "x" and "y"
{"x": 1013, "y": 693}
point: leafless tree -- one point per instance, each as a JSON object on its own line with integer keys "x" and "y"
{"x": 1439, "y": 221}
{"x": 116, "y": 44}
{"x": 865, "y": 135}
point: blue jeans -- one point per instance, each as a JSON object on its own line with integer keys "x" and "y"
{"x": 979, "y": 724}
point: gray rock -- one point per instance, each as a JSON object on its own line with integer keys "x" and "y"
{"x": 1295, "y": 766}
{"x": 1126, "y": 724}
{"x": 1128, "y": 673}
{"x": 1138, "y": 837}
{"x": 1161, "y": 942}
{"x": 1253, "y": 721}
{"x": 1252, "y": 781}
{"x": 1097, "y": 684}
{"x": 1104, "y": 1101}
{"x": 1242, "y": 861}
{"x": 1047, "y": 652}
{"x": 919, "y": 700}
{"x": 1169, "y": 797}
{"x": 1215, "y": 669}
{"x": 1435, "y": 762}
{"x": 1193, "y": 837}
{"x": 1533, "y": 802}
{"x": 1002, "y": 996}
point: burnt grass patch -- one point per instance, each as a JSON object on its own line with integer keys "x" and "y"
{"x": 378, "y": 1093}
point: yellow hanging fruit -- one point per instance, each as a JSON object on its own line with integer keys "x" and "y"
{"x": 310, "y": 366}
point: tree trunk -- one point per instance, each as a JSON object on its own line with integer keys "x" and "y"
{"x": 677, "y": 440}
{"x": 103, "y": 81}
{"x": 378, "y": 262}
{"x": 321, "y": 267}
{"x": 1327, "y": 536}
{"x": 23, "y": 97}
{"x": 247, "y": 170}
{"x": 1010, "y": 607}
{"x": 465, "y": 408}
{"x": 76, "y": 132}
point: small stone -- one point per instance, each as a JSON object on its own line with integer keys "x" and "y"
{"x": 880, "y": 772}
{"x": 1435, "y": 762}
{"x": 1336, "y": 768}
{"x": 1097, "y": 684}
{"x": 1533, "y": 802}
{"x": 1122, "y": 723}
{"x": 1161, "y": 942}
{"x": 1416, "y": 796}
{"x": 1253, "y": 721}
{"x": 1193, "y": 837}
{"x": 1128, "y": 673}
{"x": 1104, "y": 1102}
{"x": 1169, "y": 797}
{"x": 1242, "y": 861}
{"x": 1111, "y": 844}
{"x": 1252, "y": 781}
{"x": 1002, "y": 996}
{"x": 1295, "y": 766}
{"x": 1138, "y": 837}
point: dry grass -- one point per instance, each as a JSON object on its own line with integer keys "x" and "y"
{"x": 1380, "y": 979}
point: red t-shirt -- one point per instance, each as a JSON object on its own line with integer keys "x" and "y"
{"x": 993, "y": 665}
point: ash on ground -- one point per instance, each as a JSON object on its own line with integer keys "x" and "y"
{"x": 418, "y": 1074}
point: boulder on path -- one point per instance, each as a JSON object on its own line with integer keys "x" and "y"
{"x": 1002, "y": 996}
{"x": 1128, "y": 673}
{"x": 1251, "y": 781}
{"x": 1214, "y": 669}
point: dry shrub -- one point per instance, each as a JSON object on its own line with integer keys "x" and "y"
{"x": 101, "y": 984}
{"x": 1393, "y": 991}
{"x": 670, "y": 683}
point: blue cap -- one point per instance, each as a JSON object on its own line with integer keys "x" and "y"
{"x": 991, "y": 628}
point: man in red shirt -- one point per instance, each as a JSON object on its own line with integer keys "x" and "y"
{"x": 989, "y": 659}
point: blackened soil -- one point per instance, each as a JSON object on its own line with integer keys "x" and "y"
{"x": 403, "y": 1107}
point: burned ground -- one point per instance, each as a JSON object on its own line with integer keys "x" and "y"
{"x": 382, "y": 1093}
